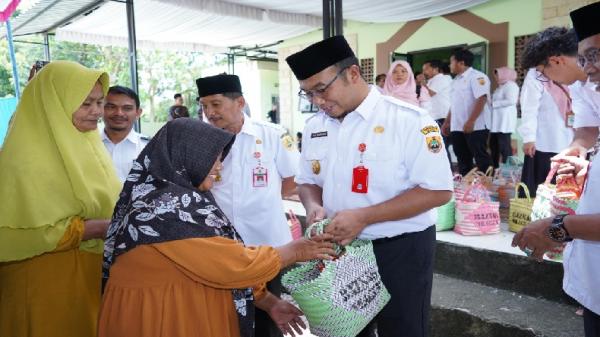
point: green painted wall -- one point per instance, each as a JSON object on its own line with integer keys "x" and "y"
{"x": 269, "y": 88}
{"x": 524, "y": 17}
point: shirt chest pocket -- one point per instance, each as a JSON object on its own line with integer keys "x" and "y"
{"x": 316, "y": 161}
{"x": 382, "y": 163}
{"x": 259, "y": 172}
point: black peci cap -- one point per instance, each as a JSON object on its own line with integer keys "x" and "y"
{"x": 218, "y": 84}
{"x": 585, "y": 21}
{"x": 319, "y": 56}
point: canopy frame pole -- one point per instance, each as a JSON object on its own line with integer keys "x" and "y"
{"x": 132, "y": 48}
{"x": 13, "y": 61}
{"x": 326, "y": 19}
{"x": 338, "y": 18}
{"x": 46, "y": 47}
{"x": 333, "y": 20}
{"x": 231, "y": 63}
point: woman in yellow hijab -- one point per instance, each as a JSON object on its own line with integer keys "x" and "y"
{"x": 57, "y": 193}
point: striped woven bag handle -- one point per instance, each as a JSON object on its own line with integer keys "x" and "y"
{"x": 318, "y": 228}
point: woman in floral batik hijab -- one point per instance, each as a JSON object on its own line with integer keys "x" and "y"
{"x": 173, "y": 263}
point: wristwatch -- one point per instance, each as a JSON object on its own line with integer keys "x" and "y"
{"x": 557, "y": 230}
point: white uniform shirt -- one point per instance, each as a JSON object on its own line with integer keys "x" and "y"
{"x": 586, "y": 104}
{"x": 541, "y": 120}
{"x": 404, "y": 149}
{"x": 124, "y": 153}
{"x": 440, "y": 102}
{"x": 504, "y": 108}
{"x": 257, "y": 212}
{"x": 581, "y": 257}
{"x": 466, "y": 89}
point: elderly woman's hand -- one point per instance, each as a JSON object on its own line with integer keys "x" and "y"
{"x": 287, "y": 317}
{"x": 95, "y": 229}
{"x": 318, "y": 248}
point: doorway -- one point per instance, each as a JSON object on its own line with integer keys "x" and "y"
{"x": 417, "y": 58}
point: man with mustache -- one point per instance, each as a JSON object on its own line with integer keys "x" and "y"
{"x": 121, "y": 111}
{"x": 257, "y": 172}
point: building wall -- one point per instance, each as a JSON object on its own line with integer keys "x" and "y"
{"x": 269, "y": 82}
{"x": 259, "y": 82}
{"x": 556, "y": 12}
{"x": 524, "y": 17}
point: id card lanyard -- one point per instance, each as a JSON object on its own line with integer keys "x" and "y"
{"x": 260, "y": 175}
{"x": 569, "y": 115}
{"x": 360, "y": 174}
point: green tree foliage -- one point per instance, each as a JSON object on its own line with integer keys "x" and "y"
{"x": 160, "y": 73}
{"x": 6, "y": 85}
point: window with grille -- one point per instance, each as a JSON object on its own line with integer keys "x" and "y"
{"x": 367, "y": 67}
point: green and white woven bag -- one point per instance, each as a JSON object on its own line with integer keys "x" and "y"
{"x": 339, "y": 297}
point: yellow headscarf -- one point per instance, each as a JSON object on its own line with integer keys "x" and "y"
{"x": 49, "y": 171}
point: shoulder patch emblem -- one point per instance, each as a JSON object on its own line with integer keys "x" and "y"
{"x": 287, "y": 142}
{"x": 430, "y": 129}
{"x": 481, "y": 81}
{"x": 434, "y": 144}
{"x": 379, "y": 129}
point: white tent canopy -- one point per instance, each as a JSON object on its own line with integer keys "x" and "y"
{"x": 184, "y": 26}
{"x": 213, "y": 25}
{"x": 366, "y": 10}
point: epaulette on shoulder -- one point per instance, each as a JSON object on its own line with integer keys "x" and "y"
{"x": 405, "y": 106}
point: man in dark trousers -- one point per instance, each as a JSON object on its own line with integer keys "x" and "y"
{"x": 357, "y": 122}
{"x": 470, "y": 113}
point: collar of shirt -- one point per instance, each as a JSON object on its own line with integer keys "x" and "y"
{"x": 367, "y": 107}
{"x": 248, "y": 127}
{"x": 436, "y": 77}
{"x": 466, "y": 73}
{"x": 132, "y": 137}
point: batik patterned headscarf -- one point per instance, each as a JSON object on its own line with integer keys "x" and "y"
{"x": 160, "y": 201}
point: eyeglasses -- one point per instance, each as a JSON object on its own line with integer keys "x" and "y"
{"x": 589, "y": 57}
{"x": 310, "y": 94}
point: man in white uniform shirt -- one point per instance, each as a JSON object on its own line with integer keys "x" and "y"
{"x": 376, "y": 167}
{"x": 438, "y": 85}
{"x": 470, "y": 113}
{"x": 546, "y": 104}
{"x": 121, "y": 111}
{"x": 258, "y": 170}
{"x": 581, "y": 231}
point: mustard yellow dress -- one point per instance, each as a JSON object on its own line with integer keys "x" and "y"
{"x": 182, "y": 288}
{"x": 52, "y": 178}
{"x": 54, "y": 294}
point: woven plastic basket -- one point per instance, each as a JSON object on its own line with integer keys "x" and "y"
{"x": 445, "y": 216}
{"x": 519, "y": 213}
{"x": 339, "y": 297}
{"x": 549, "y": 202}
{"x": 476, "y": 214}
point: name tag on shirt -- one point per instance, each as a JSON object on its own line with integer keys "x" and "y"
{"x": 318, "y": 134}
